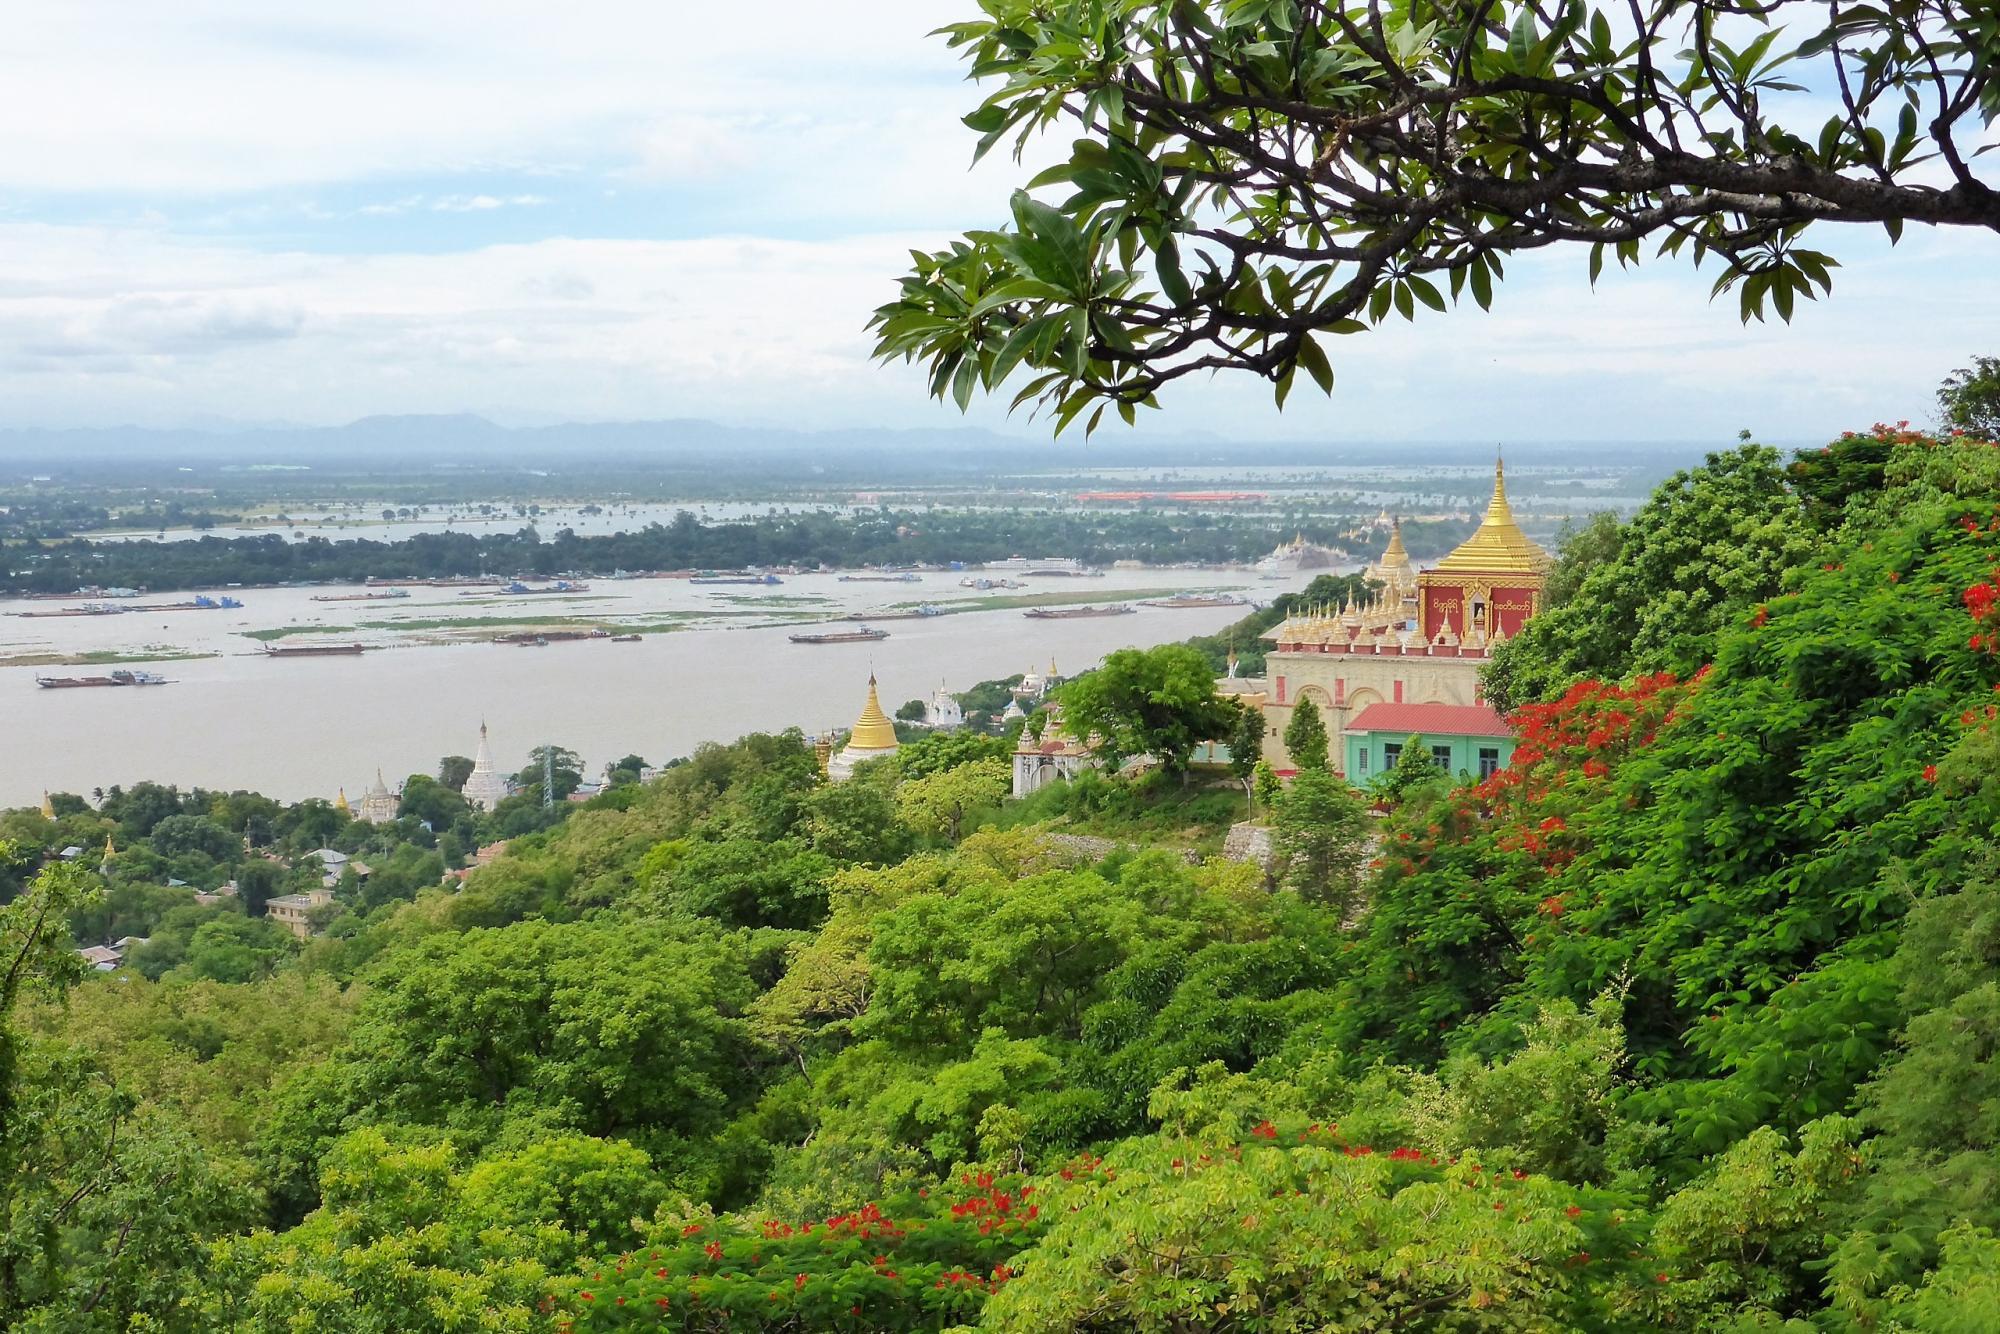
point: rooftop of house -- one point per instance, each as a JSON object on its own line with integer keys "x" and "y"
{"x": 1431, "y": 720}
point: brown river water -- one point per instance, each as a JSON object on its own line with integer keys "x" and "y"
{"x": 294, "y": 728}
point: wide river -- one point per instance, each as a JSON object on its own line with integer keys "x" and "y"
{"x": 294, "y": 728}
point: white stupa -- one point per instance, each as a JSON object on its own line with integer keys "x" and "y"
{"x": 486, "y": 787}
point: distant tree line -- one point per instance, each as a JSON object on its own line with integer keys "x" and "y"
{"x": 881, "y": 537}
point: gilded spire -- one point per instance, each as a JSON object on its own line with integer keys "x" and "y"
{"x": 340, "y": 802}
{"x": 872, "y": 730}
{"x": 1498, "y": 546}
{"x": 1394, "y": 551}
{"x": 48, "y": 807}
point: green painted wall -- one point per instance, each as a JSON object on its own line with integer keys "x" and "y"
{"x": 1372, "y": 754}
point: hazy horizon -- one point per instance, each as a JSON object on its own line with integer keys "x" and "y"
{"x": 616, "y": 212}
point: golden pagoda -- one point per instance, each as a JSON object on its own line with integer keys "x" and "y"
{"x": 48, "y": 807}
{"x": 340, "y": 802}
{"x": 1498, "y": 547}
{"x": 1492, "y": 583}
{"x": 873, "y": 737}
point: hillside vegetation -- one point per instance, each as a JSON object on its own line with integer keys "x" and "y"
{"x": 1686, "y": 1020}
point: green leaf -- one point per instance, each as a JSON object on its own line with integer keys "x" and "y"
{"x": 1521, "y": 41}
{"x": 1167, "y": 264}
{"x": 1314, "y": 360}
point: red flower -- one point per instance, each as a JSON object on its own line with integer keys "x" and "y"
{"x": 1572, "y": 1211}
{"x": 1930, "y": 773}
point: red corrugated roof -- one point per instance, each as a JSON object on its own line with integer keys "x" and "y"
{"x": 1432, "y": 720}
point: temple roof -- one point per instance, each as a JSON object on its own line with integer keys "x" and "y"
{"x": 1431, "y": 720}
{"x": 1499, "y": 546}
{"x": 872, "y": 730}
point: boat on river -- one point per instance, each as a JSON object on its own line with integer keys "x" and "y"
{"x": 519, "y": 589}
{"x": 118, "y": 678}
{"x": 313, "y": 650}
{"x": 87, "y": 609}
{"x": 914, "y": 613}
{"x": 1076, "y": 613}
{"x": 761, "y": 580}
{"x": 860, "y": 635}
{"x": 1181, "y": 600}
{"x": 385, "y": 595}
{"x": 200, "y": 602}
{"x": 906, "y": 577}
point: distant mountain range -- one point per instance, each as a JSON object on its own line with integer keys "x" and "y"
{"x": 417, "y": 442}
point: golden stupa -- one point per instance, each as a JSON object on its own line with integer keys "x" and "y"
{"x": 48, "y": 807}
{"x": 1499, "y": 546}
{"x": 872, "y": 730}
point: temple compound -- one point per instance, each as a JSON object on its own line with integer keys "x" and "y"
{"x": 1420, "y": 641}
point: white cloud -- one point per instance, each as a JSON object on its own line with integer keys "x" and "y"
{"x": 803, "y": 119}
{"x": 104, "y": 325}
{"x": 211, "y": 95}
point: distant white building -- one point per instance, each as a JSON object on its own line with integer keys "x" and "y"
{"x": 378, "y": 804}
{"x": 486, "y": 787}
{"x": 943, "y": 711}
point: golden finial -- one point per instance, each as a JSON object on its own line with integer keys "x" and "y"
{"x": 48, "y": 807}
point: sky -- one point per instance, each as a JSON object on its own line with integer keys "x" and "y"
{"x": 237, "y": 211}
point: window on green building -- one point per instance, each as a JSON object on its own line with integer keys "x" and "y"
{"x": 1442, "y": 754}
{"x": 1489, "y": 761}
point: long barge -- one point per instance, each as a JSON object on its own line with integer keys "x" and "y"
{"x": 87, "y": 609}
{"x": 1076, "y": 613}
{"x": 313, "y": 650}
{"x": 1187, "y": 600}
{"x": 386, "y": 595}
{"x": 860, "y": 635}
{"x": 201, "y": 602}
{"x": 914, "y": 614}
{"x": 118, "y": 678}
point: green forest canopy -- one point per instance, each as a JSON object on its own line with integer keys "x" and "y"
{"x": 1684, "y": 1020}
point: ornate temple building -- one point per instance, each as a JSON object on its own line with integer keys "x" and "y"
{"x": 1420, "y": 640}
{"x": 486, "y": 787}
{"x": 378, "y": 804}
{"x": 873, "y": 737}
{"x": 1300, "y": 556}
{"x": 943, "y": 711}
{"x": 1050, "y": 756}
